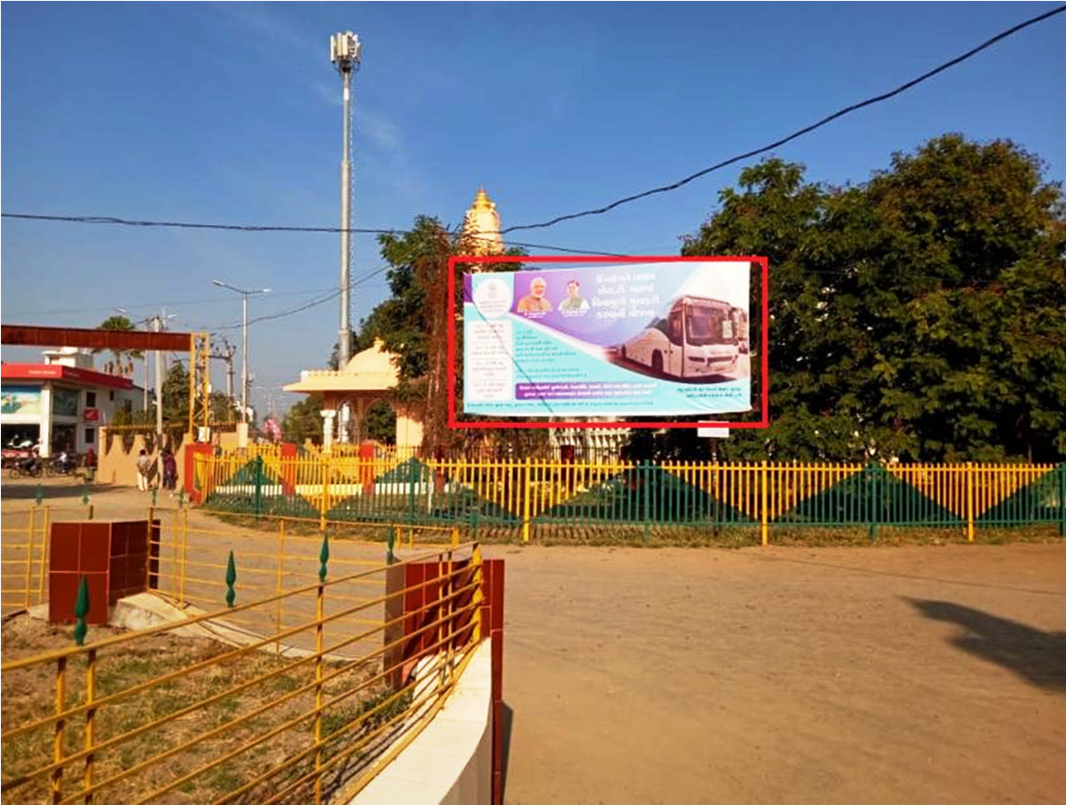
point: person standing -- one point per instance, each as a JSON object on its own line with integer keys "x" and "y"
{"x": 90, "y": 464}
{"x": 170, "y": 472}
{"x": 144, "y": 465}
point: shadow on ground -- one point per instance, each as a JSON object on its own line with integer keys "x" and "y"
{"x": 1036, "y": 656}
{"x": 508, "y": 721}
{"x": 51, "y": 489}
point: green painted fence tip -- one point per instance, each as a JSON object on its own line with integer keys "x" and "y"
{"x": 39, "y": 494}
{"x": 81, "y": 609}
{"x": 231, "y": 579}
{"x": 323, "y": 559}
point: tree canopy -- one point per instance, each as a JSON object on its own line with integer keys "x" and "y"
{"x": 921, "y": 315}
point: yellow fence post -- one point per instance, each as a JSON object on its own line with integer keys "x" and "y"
{"x": 281, "y": 583}
{"x": 44, "y": 555}
{"x": 479, "y": 595}
{"x": 184, "y": 556}
{"x": 57, "y": 741}
{"x": 90, "y": 719}
{"x": 969, "y": 501}
{"x": 325, "y": 493}
{"x": 320, "y": 614}
{"x": 29, "y": 561}
{"x": 763, "y": 514}
{"x": 526, "y": 501}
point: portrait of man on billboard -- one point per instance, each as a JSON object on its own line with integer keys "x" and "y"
{"x": 535, "y": 301}
{"x": 574, "y": 304}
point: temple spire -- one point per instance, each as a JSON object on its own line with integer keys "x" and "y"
{"x": 481, "y": 226}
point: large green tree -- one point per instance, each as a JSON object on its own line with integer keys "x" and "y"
{"x": 920, "y": 316}
{"x": 413, "y": 324}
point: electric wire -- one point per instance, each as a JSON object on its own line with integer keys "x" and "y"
{"x": 796, "y": 134}
{"x": 600, "y": 210}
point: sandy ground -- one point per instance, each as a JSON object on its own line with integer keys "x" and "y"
{"x": 824, "y": 675}
{"x": 787, "y": 675}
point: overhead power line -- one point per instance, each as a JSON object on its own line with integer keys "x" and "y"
{"x": 332, "y": 230}
{"x": 97, "y": 219}
{"x": 796, "y": 134}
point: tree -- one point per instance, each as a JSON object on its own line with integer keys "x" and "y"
{"x": 413, "y": 324}
{"x": 919, "y": 316}
{"x": 303, "y": 420}
{"x": 122, "y": 359}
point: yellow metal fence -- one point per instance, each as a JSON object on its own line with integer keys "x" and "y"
{"x": 217, "y": 712}
{"x": 530, "y": 494}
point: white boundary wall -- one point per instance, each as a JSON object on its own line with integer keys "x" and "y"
{"x": 451, "y": 760}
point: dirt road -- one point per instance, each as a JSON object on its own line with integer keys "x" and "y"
{"x": 873, "y": 675}
{"x": 878, "y": 675}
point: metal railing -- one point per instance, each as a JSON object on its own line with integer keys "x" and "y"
{"x": 213, "y": 711}
{"x": 189, "y": 558}
{"x": 532, "y": 495}
{"x": 24, "y": 546}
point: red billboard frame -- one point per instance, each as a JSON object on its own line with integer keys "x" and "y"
{"x": 764, "y": 422}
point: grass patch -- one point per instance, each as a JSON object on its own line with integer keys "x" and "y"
{"x": 28, "y": 696}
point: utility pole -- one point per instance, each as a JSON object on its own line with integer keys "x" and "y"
{"x": 157, "y": 326}
{"x": 244, "y": 340}
{"x": 227, "y": 356}
{"x": 344, "y": 52}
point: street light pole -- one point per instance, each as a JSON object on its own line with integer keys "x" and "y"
{"x": 344, "y": 52}
{"x": 157, "y": 326}
{"x": 244, "y": 359}
{"x": 244, "y": 340}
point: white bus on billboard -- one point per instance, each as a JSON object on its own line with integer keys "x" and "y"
{"x": 698, "y": 338}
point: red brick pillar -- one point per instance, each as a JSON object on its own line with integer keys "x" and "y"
{"x": 113, "y": 557}
{"x": 288, "y": 468}
{"x": 196, "y": 490}
{"x": 366, "y": 467}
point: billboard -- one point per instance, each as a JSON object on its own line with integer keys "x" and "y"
{"x": 667, "y": 337}
{"x": 22, "y": 400}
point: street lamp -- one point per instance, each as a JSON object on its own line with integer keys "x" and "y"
{"x": 244, "y": 340}
{"x": 158, "y": 324}
{"x": 345, "y": 51}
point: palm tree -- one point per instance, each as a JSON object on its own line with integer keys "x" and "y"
{"x": 122, "y": 362}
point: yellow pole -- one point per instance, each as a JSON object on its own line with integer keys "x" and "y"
{"x": 325, "y": 493}
{"x": 969, "y": 501}
{"x": 765, "y": 527}
{"x": 526, "y": 502}
{"x": 281, "y": 582}
{"x": 45, "y": 556}
{"x": 29, "y": 561}
{"x": 90, "y": 719}
{"x": 184, "y": 554}
{"x": 479, "y": 596}
{"x": 57, "y": 741}
{"x": 320, "y": 610}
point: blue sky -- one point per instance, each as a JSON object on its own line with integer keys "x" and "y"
{"x": 230, "y": 113}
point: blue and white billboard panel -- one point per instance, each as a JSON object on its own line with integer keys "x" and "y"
{"x": 635, "y": 339}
